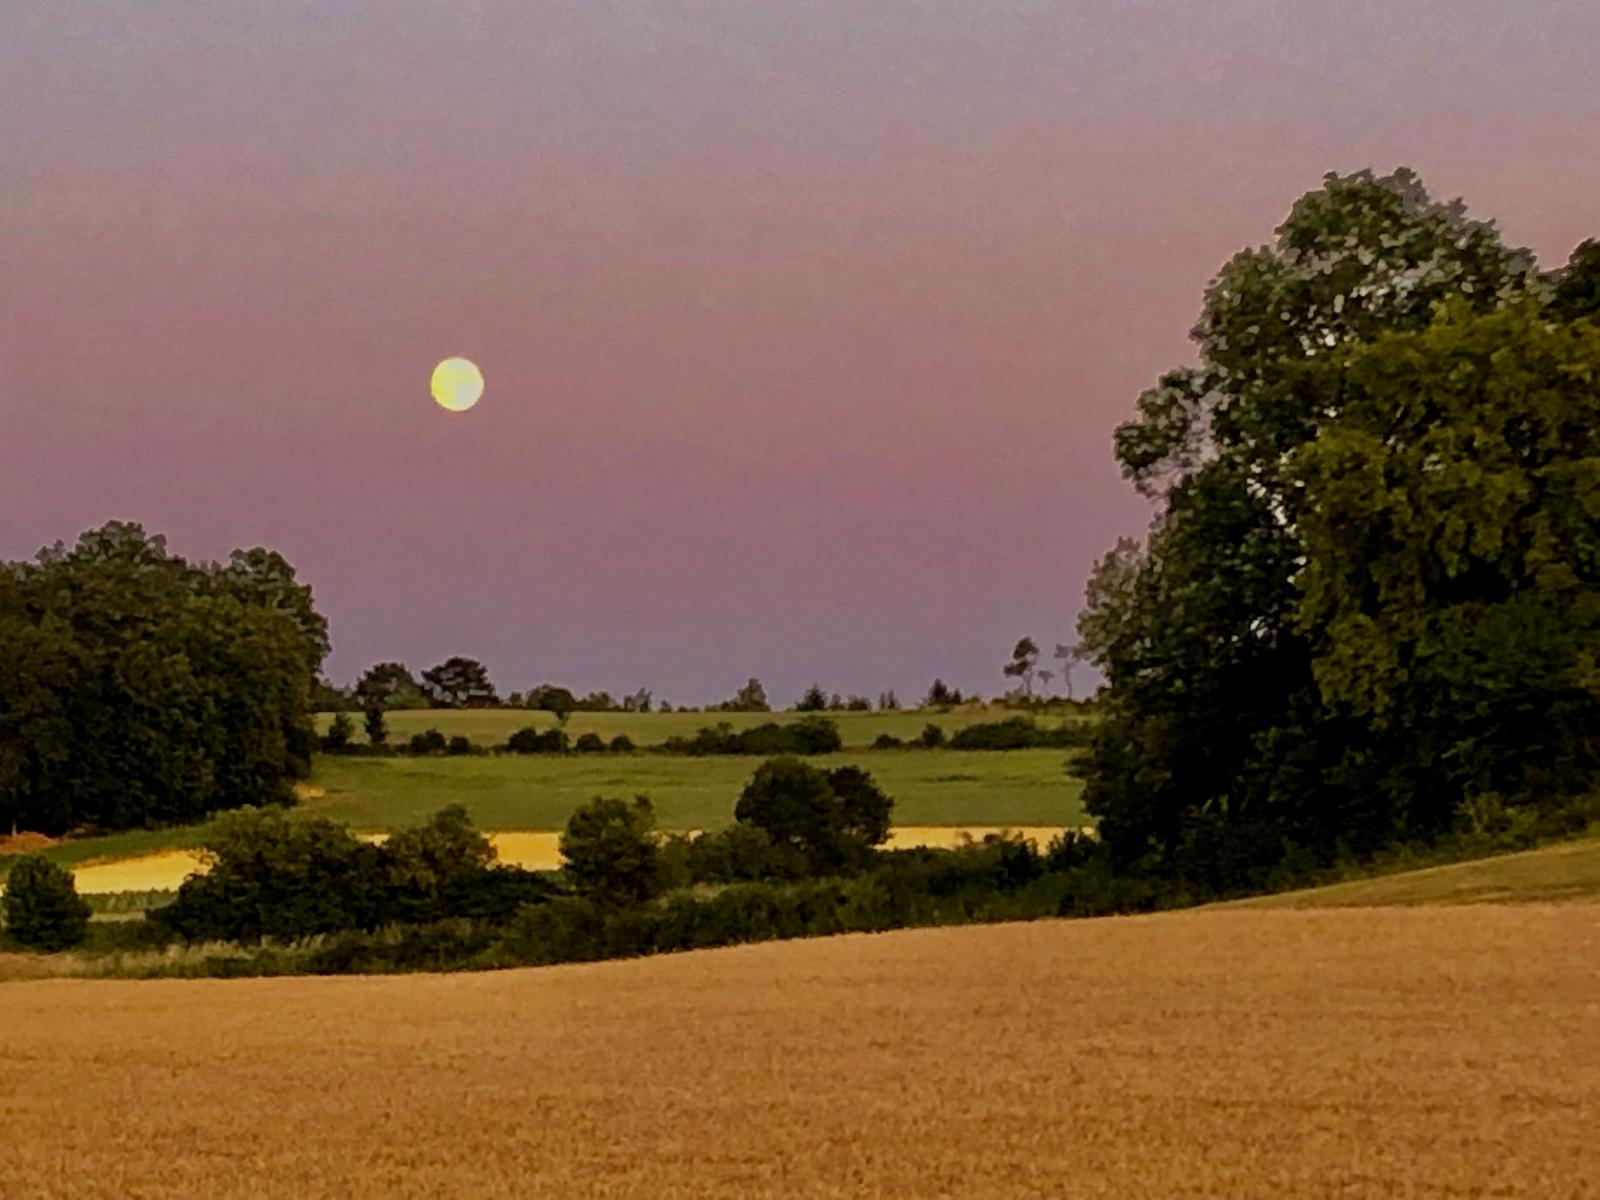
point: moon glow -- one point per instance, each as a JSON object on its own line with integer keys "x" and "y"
{"x": 456, "y": 384}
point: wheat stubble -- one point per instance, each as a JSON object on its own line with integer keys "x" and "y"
{"x": 1380, "y": 1052}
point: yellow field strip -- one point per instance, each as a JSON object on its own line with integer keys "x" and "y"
{"x": 536, "y": 850}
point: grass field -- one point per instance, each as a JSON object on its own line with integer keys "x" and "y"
{"x": 492, "y": 726}
{"x": 1566, "y": 871}
{"x": 1392, "y": 1052}
{"x": 930, "y": 787}
{"x": 971, "y": 788}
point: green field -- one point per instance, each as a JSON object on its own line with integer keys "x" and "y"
{"x": 1565, "y": 871}
{"x": 930, "y": 787}
{"x": 492, "y": 726}
{"x": 514, "y": 792}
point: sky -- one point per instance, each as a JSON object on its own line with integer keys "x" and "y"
{"x": 804, "y": 325}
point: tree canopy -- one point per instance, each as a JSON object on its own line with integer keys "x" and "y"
{"x": 1364, "y": 597}
{"x": 137, "y": 688}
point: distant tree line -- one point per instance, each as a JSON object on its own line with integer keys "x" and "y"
{"x": 809, "y": 735}
{"x": 460, "y": 682}
{"x": 137, "y": 688}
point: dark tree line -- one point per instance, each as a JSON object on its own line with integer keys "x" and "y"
{"x": 137, "y": 688}
{"x": 1368, "y": 606}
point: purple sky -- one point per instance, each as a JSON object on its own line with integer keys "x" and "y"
{"x": 805, "y": 324}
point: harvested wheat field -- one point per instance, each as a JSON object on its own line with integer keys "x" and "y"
{"x": 1379, "y": 1052}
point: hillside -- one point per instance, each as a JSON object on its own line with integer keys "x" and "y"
{"x": 1566, "y": 871}
{"x": 1205, "y": 1054}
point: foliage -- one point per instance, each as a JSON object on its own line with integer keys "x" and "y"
{"x": 814, "y": 700}
{"x": 43, "y": 910}
{"x": 389, "y": 685}
{"x": 137, "y": 689}
{"x": 459, "y": 683}
{"x": 553, "y": 699}
{"x": 1350, "y": 615}
{"x": 533, "y": 741}
{"x": 610, "y": 851}
{"x": 931, "y": 736}
{"x": 275, "y": 877}
{"x": 589, "y": 743}
{"x": 427, "y": 741}
{"x": 1015, "y": 733}
{"x": 833, "y": 818}
{"x": 339, "y": 733}
{"x": 811, "y": 734}
{"x": 376, "y": 726}
{"x": 1024, "y": 661}
{"x": 752, "y": 697}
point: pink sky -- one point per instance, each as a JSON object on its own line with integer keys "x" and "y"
{"x": 805, "y": 325}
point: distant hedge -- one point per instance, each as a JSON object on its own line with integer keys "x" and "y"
{"x": 808, "y": 735}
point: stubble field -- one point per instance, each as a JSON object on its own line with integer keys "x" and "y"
{"x": 1380, "y": 1052}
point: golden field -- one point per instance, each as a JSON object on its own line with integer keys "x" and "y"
{"x": 1451, "y": 1051}
{"x": 537, "y": 850}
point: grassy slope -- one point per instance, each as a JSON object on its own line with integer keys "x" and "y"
{"x": 1566, "y": 871}
{"x": 490, "y": 726}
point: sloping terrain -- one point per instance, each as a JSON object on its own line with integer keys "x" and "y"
{"x": 1565, "y": 871}
{"x": 1384, "y": 1052}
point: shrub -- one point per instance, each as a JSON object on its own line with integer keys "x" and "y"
{"x": 458, "y": 745}
{"x": 1019, "y": 733}
{"x": 590, "y": 743}
{"x": 42, "y": 906}
{"x": 531, "y": 741}
{"x": 429, "y": 741}
{"x": 622, "y": 744}
{"x": 740, "y": 853}
{"x": 340, "y": 731}
{"x": 932, "y": 735}
{"x": 273, "y": 877}
{"x": 809, "y": 735}
{"x": 610, "y": 853}
{"x": 887, "y": 741}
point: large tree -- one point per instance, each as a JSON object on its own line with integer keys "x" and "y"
{"x": 136, "y": 688}
{"x": 1226, "y": 746}
{"x": 459, "y": 682}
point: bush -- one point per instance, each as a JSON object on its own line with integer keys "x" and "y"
{"x": 622, "y": 744}
{"x": 740, "y": 853}
{"x": 932, "y": 735}
{"x": 272, "y": 877}
{"x": 808, "y": 735}
{"x": 610, "y": 853}
{"x": 458, "y": 745}
{"x": 887, "y": 741}
{"x": 339, "y": 733}
{"x": 531, "y": 741}
{"x": 590, "y": 743}
{"x": 429, "y": 741}
{"x": 42, "y": 906}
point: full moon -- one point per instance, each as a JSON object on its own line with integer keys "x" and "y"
{"x": 456, "y": 384}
